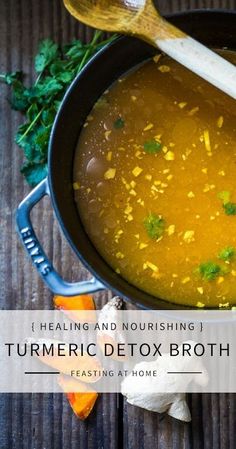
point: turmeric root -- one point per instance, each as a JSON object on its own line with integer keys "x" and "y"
{"x": 71, "y": 304}
{"x": 81, "y": 402}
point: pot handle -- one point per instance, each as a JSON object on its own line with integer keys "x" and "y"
{"x": 37, "y": 254}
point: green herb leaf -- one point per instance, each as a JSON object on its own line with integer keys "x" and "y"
{"x": 11, "y": 77}
{"x": 154, "y": 226}
{"x": 48, "y": 52}
{"x": 224, "y": 196}
{"x": 40, "y": 102}
{"x": 209, "y": 271}
{"x": 152, "y": 146}
{"x": 34, "y": 173}
{"x": 119, "y": 123}
{"x": 227, "y": 253}
{"x": 230, "y": 208}
{"x": 18, "y": 101}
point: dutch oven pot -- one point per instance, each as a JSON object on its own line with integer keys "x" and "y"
{"x": 213, "y": 28}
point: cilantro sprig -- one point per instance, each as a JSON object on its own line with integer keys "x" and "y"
{"x": 209, "y": 271}
{"x": 228, "y": 206}
{"x": 152, "y": 146}
{"x": 227, "y": 254}
{"x": 154, "y": 226}
{"x": 56, "y": 67}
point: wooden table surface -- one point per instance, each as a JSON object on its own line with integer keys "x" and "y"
{"x": 37, "y": 421}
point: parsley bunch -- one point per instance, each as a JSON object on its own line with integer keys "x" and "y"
{"x": 56, "y": 67}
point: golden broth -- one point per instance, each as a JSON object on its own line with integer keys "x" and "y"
{"x": 154, "y": 181}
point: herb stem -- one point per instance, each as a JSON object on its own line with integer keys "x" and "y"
{"x": 31, "y": 125}
{"x": 107, "y": 41}
{"x": 96, "y": 36}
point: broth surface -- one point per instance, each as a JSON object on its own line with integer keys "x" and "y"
{"x": 154, "y": 182}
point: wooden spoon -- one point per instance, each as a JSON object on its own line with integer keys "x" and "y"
{"x": 139, "y": 18}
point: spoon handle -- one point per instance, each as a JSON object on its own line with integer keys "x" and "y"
{"x": 202, "y": 61}
{"x": 153, "y": 28}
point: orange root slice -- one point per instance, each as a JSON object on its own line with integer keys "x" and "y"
{"x": 70, "y": 305}
{"x": 81, "y": 402}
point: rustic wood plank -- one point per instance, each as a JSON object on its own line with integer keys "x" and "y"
{"x": 46, "y": 421}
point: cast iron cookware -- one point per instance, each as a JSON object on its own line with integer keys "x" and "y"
{"x": 213, "y": 28}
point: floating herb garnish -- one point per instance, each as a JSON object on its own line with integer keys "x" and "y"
{"x": 230, "y": 208}
{"x": 152, "y": 146}
{"x": 154, "y": 226}
{"x": 209, "y": 271}
{"x": 119, "y": 123}
{"x": 227, "y": 254}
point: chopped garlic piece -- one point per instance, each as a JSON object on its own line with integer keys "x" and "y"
{"x": 152, "y": 266}
{"x": 76, "y": 186}
{"x": 128, "y": 209}
{"x": 164, "y": 149}
{"x": 208, "y": 187}
{"x": 200, "y": 290}
{"x": 226, "y": 304}
{"x": 190, "y": 195}
{"x": 204, "y": 170}
{"x": 185, "y": 280}
{"x": 200, "y": 304}
{"x": 149, "y": 126}
{"x": 156, "y": 58}
{"x": 133, "y": 184}
{"x": 120, "y": 255}
{"x": 221, "y": 173}
{"x": 138, "y": 154}
{"x": 206, "y": 136}
{"x": 189, "y": 236}
{"x": 220, "y": 280}
{"x": 143, "y": 245}
{"x": 182, "y": 105}
{"x": 193, "y": 111}
{"x": 107, "y": 134}
{"x": 169, "y": 156}
{"x": 110, "y": 173}
{"x": 109, "y": 156}
{"x": 220, "y": 121}
{"x": 137, "y": 171}
{"x": 148, "y": 177}
{"x": 164, "y": 68}
{"x": 171, "y": 229}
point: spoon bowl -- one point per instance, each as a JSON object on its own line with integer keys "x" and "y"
{"x": 113, "y": 16}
